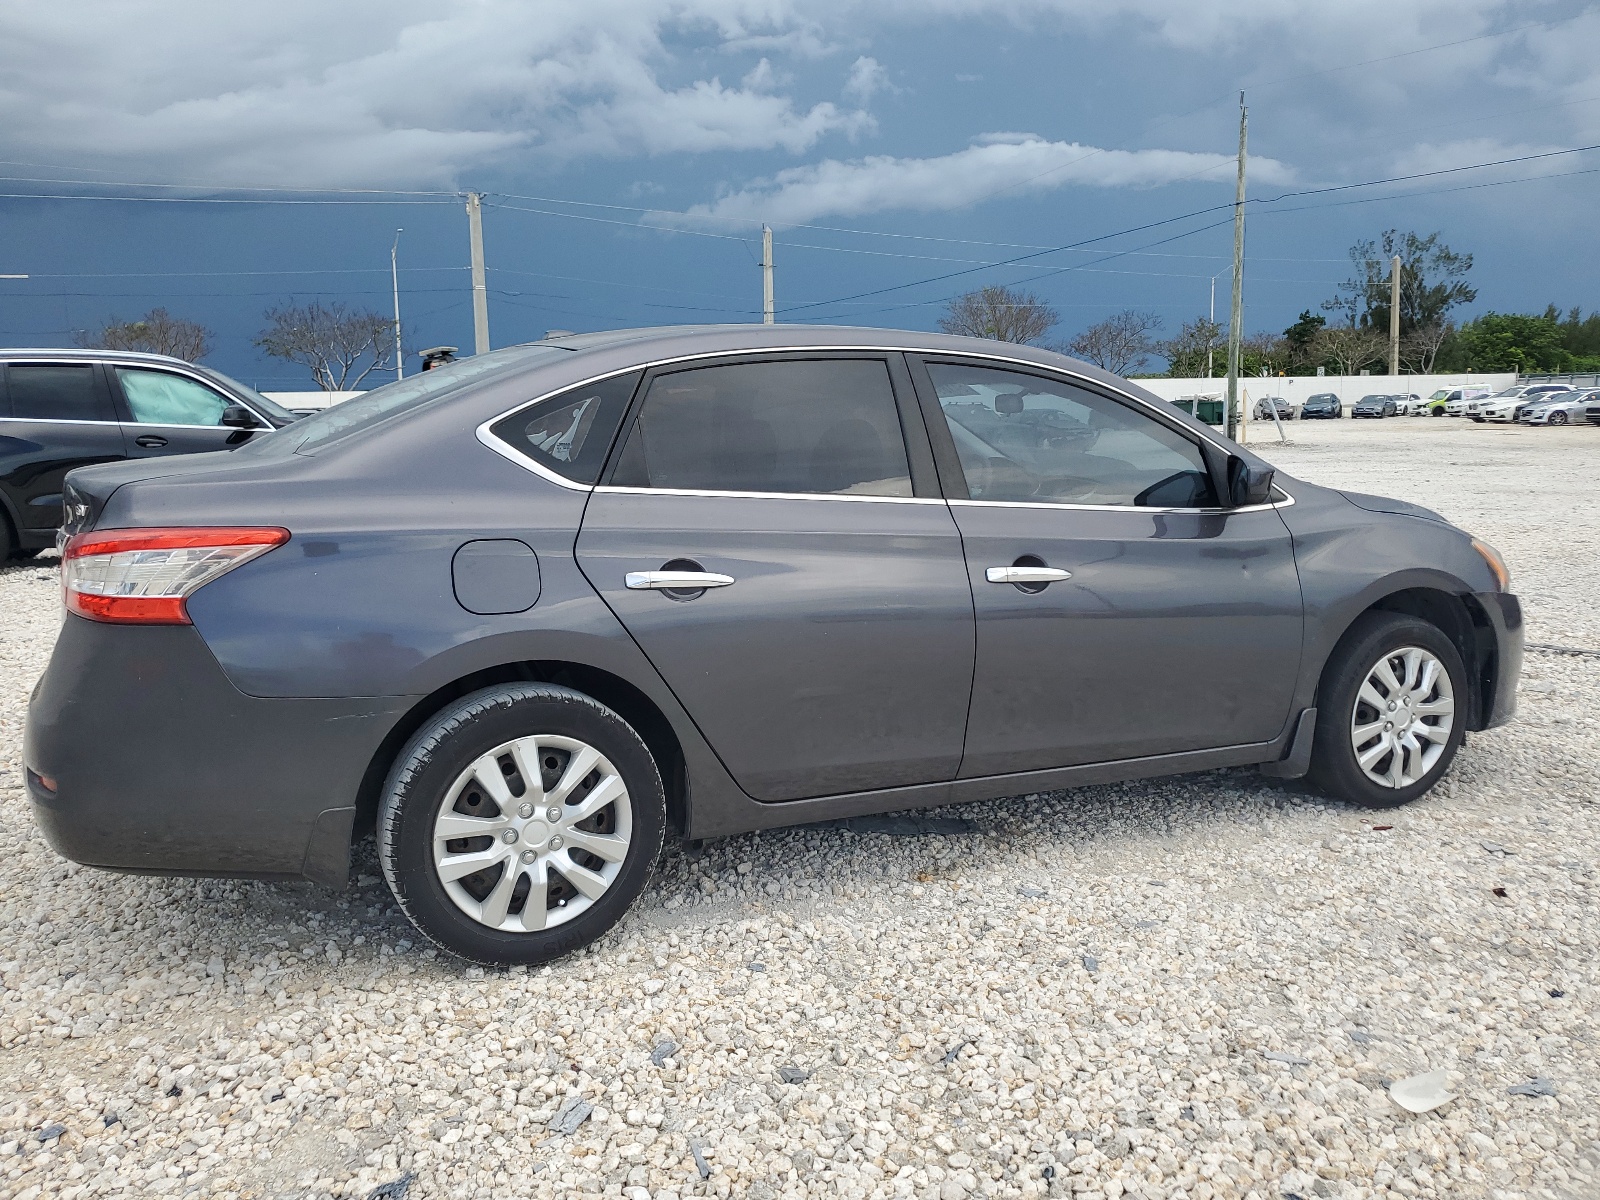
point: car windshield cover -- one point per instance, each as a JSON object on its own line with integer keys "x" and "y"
{"x": 270, "y": 409}
{"x": 409, "y": 395}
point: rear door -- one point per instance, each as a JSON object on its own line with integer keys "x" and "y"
{"x": 771, "y": 535}
{"x": 54, "y": 416}
{"x": 168, "y": 412}
{"x": 1120, "y": 612}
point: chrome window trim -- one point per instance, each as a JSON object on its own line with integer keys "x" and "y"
{"x": 611, "y": 490}
{"x": 1131, "y": 508}
{"x": 508, "y": 451}
{"x": 61, "y": 421}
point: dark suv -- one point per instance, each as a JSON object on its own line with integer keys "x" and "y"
{"x": 61, "y": 409}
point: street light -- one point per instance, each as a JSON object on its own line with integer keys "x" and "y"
{"x": 394, "y": 274}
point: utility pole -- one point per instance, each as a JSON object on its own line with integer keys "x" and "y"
{"x": 1394, "y": 315}
{"x": 1235, "y": 325}
{"x": 480, "y": 288}
{"x": 394, "y": 275}
{"x": 766, "y": 275}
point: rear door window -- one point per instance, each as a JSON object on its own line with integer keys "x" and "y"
{"x": 58, "y": 392}
{"x": 801, "y": 426}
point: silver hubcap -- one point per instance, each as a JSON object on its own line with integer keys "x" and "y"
{"x": 532, "y": 833}
{"x": 1402, "y": 717}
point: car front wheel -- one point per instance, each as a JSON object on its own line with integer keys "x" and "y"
{"x": 1389, "y": 712}
{"x": 1558, "y": 418}
{"x": 520, "y": 823}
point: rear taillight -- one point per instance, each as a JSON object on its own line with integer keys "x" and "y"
{"x": 143, "y": 576}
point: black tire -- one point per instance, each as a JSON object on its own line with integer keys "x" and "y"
{"x": 1437, "y": 412}
{"x": 427, "y": 769}
{"x": 1334, "y": 767}
{"x": 8, "y": 540}
{"x": 1558, "y": 418}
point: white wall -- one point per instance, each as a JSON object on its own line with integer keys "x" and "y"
{"x": 309, "y": 399}
{"x": 1349, "y": 388}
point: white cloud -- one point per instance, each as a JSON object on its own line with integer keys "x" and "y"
{"x": 1005, "y": 163}
{"x": 867, "y": 79}
{"x": 392, "y": 91}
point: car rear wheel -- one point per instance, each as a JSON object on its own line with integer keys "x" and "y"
{"x": 1390, "y": 712}
{"x": 521, "y": 823}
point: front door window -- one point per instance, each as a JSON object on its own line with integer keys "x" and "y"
{"x": 163, "y": 398}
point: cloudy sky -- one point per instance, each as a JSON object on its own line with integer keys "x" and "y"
{"x": 219, "y": 159}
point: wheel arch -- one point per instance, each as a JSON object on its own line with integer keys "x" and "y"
{"x": 1461, "y": 619}
{"x": 616, "y": 693}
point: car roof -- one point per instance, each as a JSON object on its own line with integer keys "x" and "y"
{"x": 76, "y": 352}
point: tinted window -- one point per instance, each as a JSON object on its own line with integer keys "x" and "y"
{"x": 56, "y": 392}
{"x": 822, "y": 426}
{"x": 1027, "y": 439}
{"x": 162, "y": 398}
{"x": 571, "y": 433}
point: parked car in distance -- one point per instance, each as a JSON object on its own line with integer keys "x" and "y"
{"x": 1265, "y": 406}
{"x": 1323, "y": 404}
{"x": 1436, "y": 404}
{"x": 61, "y": 409}
{"x": 1375, "y": 406}
{"x": 1559, "y": 409}
{"x": 1409, "y": 405}
{"x": 1473, "y": 408}
{"x": 528, "y": 614}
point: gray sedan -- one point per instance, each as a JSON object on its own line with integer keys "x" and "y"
{"x": 1568, "y": 408}
{"x": 529, "y": 614}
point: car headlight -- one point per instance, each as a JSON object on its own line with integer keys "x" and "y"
{"x": 1497, "y": 564}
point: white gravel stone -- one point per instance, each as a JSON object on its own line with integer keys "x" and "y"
{"x": 1101, "y": 993}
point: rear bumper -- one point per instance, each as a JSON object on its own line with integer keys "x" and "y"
{"x": 1503, "y": 668}
{"x": 160, "y": 765}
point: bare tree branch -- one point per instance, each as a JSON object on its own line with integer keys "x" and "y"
{"x": 340, "y": 345}
{"x": 1349, "y": 347}
{"x": 157, "y": 332}
{"x": 1000, "y": 313}
{"x": 1121, "y": 343}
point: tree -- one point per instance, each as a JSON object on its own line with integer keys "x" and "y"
{"x": 1302, "y": 339}
{"x": 1000, "y": 313}
{"x": 1264, "y": 354}
{"x": 157, "y": 332}
{"x": 1419, "y": 349}
{"x": 1348, "y": 348}
{"x": 1119, "y": 344}
{"x": 1432, "y": 282}
{"x": 341, "y": 345}
{"x": 1512, "y": 342}
{"x": 1199, "y": 348}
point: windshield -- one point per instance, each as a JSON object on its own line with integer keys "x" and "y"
{"x": 408, "y": 395}
{"x": 270, "y": 409}
{"x": 1373, "y": 399}
{"x": 1441, "y": 394}
{"x": 1322, "y": 398}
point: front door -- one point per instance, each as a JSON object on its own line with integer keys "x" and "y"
{"x": 761, "y": 537}
{"x": 1120, "y": 612}
{"x": 168, "y": 413}
{"x": 57, "y": 416}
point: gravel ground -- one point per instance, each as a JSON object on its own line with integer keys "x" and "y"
{"x": 1184, "y": 988}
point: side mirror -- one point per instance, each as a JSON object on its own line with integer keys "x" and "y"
{"x": 237, "y": 416}
{"x": 1248, "y": 485}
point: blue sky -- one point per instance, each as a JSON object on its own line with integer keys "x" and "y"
{"x": 973, "y": 131}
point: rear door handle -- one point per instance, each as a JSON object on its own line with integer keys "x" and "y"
{"x": 1026, "y": 574}
{"x": 677, "y": 581}
{"x": 149, "y": 441}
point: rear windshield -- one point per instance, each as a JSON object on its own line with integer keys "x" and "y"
{"x": 407, "y": 395}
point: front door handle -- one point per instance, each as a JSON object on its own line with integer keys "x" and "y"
{"x": 1026, "y": 574}
{"x": 675, "y": 581}
{"x": 149, "y": 441}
